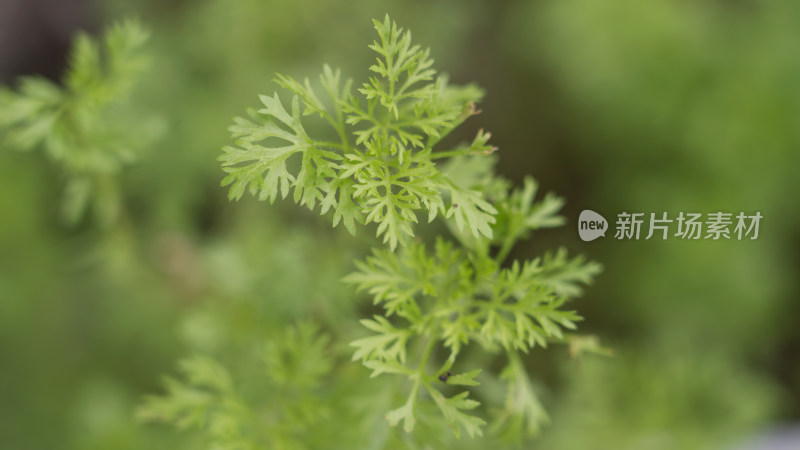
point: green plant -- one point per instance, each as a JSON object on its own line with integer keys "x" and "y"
{"x": 85, "y": 127}
{"x": 89, "y": 316}
{"x": 383, "y": 165}
{"x": 210, "y": 398}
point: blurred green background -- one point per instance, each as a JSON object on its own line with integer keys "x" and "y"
{"x": 617, "y": 105}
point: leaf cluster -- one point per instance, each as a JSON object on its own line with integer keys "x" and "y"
{"x": 450, "y": 298}
{"x": 82, "y": 125}
{"x": 380, "y": 167}
{"x": 383, "y": 165}
{"x": 210, "y": 401}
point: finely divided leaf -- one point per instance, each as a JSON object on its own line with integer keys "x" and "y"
{"x": 453, "y": 410}
{"x": 464, "y": 379}
{"x": 404, "y": 413}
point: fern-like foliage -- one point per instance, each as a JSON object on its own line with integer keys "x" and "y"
{"x": 383, "y": 165}
{"x": 211, "y": 402}
{"x": 79, "y": 124}
{"x": 452, "y": 298}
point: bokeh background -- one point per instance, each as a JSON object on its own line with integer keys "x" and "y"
{"x": 616, "y": 105}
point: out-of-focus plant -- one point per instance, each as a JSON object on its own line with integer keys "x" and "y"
{"x": 674, "y": 107}
{"x": 84, "y": 127}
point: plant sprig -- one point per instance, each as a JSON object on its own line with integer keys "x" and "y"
{"x": 386, "y": 168}
{"x": 79, "y": 125}
{"x": 383, "y": 167}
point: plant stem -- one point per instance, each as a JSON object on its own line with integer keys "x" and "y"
{"x": 448, "y": 154}
{"x": 425, "y": 357}
{"x": 505, "y": 249}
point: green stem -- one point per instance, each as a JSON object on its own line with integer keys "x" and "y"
{"x": 328, "y": 144}
{"x": 448, "y": 154}
{"x": 514, "y": 359}
{"x": 415, "y": 392}
{"x": 505, "y": 248}
{"x": 338, "y": 125}
{"x": 425, "y": 357}
{"x": 419, "y": 377}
